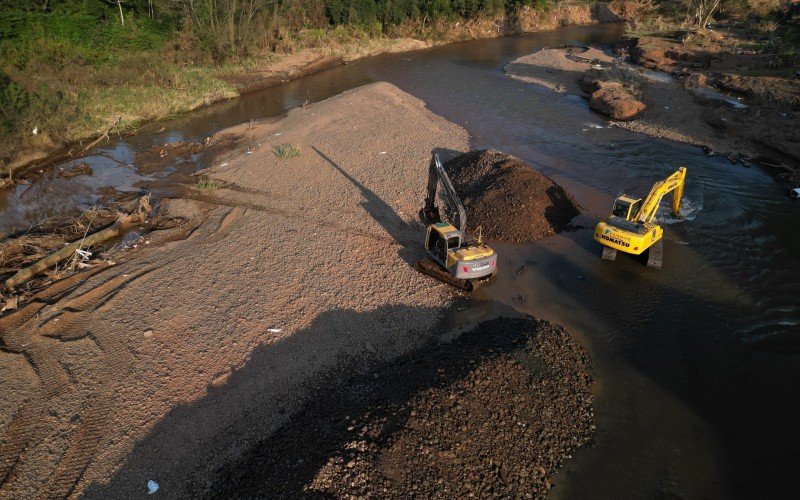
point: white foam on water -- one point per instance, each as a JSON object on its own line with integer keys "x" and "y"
{"x": 689, "y": 210}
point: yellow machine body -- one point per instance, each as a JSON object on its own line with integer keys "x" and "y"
{"x": 627, "y": 241}
{"x": 630, "y": 227}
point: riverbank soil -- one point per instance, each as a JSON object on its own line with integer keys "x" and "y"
{"x": 685, "y": 98}
{"x": 768, "y": 129}
{"x": 509, "y": 199}
{"x": 487, "y": 415}
{"x": 119, "y": 99}
{"x": 288, "y": 270}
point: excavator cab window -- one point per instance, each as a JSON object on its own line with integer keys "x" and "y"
{"x": 453, "y": 242}
{"x": 620, "y": 209}
{"x": 437, "y": 244}
{"x": 626, "y": 209}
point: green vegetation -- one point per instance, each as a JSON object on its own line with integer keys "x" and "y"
{"x": 286, "y": 151}
{"x": 71, "y": 68}
{"x": 206, "y": 185}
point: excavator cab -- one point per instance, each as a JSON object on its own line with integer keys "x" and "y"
{"x": 441, "y": 238}
{"x": 626, "y": 207}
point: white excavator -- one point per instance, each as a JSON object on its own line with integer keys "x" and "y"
{"x": 452, "y": 257}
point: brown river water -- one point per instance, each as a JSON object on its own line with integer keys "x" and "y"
{"x": 698, "y": 365}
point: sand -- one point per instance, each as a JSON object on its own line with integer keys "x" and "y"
{"x": 172, "y": 362}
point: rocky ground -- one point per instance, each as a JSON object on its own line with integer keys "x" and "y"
{"x": 490, "y": 414}
{"x": 284, "y": 272}
{"x": 509, "y": 199}
{"x": 700, "y": 93}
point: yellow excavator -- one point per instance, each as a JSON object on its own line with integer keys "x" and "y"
{"x": 452, "y": 258}
{"x": 630, "y": 227}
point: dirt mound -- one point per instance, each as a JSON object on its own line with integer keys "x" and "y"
{"x": 509, "y": 199}
{"x": 491, "y": 414}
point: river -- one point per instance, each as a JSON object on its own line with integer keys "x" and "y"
{"x": 697, "y": 365}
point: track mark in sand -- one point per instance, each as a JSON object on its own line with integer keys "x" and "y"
{"x": 309, "y": 221}
{"x": 62, "y": 287}
{"x": 16, "y": 328}
{"x": 27, "y": 426}
{"x": 51, "y": 374}
{"x": 83, "y": 446}
{"x": 69, "y": 320}
{"x": 229, "y": 219}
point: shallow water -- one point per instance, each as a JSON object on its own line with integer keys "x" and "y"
{"x": 697, "y": 364}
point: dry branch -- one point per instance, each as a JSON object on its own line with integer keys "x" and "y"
{"x": 65, "y": 253}
{"x": 104, "y": 135}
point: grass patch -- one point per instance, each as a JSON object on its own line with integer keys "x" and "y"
{"x": 206, "y": 185}
{"x": 286, "y": 151}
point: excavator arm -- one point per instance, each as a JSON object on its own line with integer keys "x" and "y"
{"x": 660, "y": 189}
{"x": 430, "y": 212}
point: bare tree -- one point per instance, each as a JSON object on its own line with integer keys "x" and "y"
{"x": 702, "y": 11}
{"x": 121, "y": 17}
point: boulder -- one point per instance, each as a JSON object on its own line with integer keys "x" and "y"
{"x": 614, "y": 100}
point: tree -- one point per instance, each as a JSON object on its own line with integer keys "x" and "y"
{"x": 702, "y": 11}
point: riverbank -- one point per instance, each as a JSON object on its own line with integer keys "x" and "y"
{"x": 705, "y": 94}
{"x": 124, "y": 106}
{"x": 291, "y": 270}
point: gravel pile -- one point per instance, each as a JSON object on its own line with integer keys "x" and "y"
{"x": 491, "y": 414}
{"x": 509, "y": 199}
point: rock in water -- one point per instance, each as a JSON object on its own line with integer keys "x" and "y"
{"x": 614, "y": 100}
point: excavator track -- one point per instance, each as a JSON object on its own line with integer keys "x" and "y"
{"x": 434, "y": 270}
{"x": 609, "y": 253}
{"x": 655, "y": 254}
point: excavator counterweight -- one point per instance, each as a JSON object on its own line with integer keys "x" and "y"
{"x": 630, "y": 227}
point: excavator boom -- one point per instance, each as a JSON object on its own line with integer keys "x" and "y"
{"x": 660, "y": 189}
{"x": 430, "y": 212}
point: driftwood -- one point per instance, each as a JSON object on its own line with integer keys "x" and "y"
{"x": 68, "y": 251}
{"x": 104, "y": 135}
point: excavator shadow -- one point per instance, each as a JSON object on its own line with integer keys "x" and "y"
{"x": 404, "y": 233}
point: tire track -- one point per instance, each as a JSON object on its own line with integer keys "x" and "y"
{"x": 83, "y": 447}
{"x": 72, "y": 320}
{"x": 66, "y": 312}
{"x": 27, "y": 426}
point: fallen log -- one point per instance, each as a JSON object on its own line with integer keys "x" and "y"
{"x": 104, "y": 135}
{"x": 68, "y": 251}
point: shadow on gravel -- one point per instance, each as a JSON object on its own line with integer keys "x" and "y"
{"x": 492, "y": 413}
{"x": 383, "y": 214}
{"x": 321, "y": 413}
